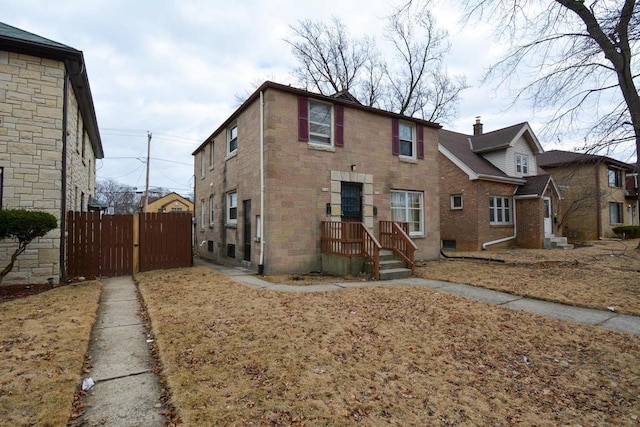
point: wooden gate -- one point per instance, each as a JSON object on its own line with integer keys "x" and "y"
{"x": 120, "y": 245}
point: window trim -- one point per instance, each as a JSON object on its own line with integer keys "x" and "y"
{"x": 203, "y": 164}
{"x": 232, "y": 196}
{"x": 522, "y": 164}
{"x": 620, "y": 213}
{"x": 453, "y": 204}
{"x": 230, "y": 130}
{"x": 330, "y": 135}
{"x": 421, "y": 232}
{"x": 202, "y": 215}
{"x": 499, "y": 211}
{"x": 412, "y": 126}
{"x": 617, "y": 177}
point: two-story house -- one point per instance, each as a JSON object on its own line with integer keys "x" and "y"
{"x": 492, "y": 193}
{"x": 596, "y": 199}
{"x": 49, "y": 143}
{"x": 290, "y": 167}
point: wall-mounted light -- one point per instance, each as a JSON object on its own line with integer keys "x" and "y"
{"x": 353, "y": 167}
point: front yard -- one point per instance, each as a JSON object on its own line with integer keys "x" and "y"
{"x": 235, "y": 355}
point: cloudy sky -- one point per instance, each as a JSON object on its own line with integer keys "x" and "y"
{"x": 173, "y": 68}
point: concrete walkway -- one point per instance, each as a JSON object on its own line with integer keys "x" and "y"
{"x": 126, "y": 391}
{"x": 587, "y": 316}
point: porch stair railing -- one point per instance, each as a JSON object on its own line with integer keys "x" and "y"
{"x": 351, "y": 239}
{"x": 395, "y": 236}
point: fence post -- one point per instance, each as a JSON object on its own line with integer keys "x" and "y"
{"x": 136, "y": 243}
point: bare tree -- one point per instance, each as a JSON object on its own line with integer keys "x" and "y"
{"x": 412, "y": 82}
{"x": 122, "y": 198}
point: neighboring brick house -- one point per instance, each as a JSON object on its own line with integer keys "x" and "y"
{"x": 172, "y": 202}
{"x": 288, "y": 159}
{"x": 594, "y": 193}
{"x": 492, "y": 193}
{"x": 49, "y": 143}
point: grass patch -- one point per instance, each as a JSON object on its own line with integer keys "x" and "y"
{"x": 43, "y": 344}
{"x": 235, "y": 355}
{"x": 601, "y": 275}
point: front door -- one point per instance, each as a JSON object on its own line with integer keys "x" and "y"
{"x": 351, "y": 201}
{"x": 247, "y": 229}
{"x": 548, "y": 222}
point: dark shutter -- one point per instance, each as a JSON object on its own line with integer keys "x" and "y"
{"x": 303, "y": 118}
{"x": 339, "y": 109}
{"x": 395, "y": 137}
{"x": 420, "y": 131}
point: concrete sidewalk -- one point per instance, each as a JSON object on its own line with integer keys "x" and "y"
{"x": 587, "y": 316}
{"x": 126, "y": 391}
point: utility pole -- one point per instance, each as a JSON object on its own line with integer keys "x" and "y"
{"x": 146, "y": 193}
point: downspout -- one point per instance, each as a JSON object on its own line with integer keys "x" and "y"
{"x": 63, "y": 208}
{"x": 262, "y": 219}
{"x": 598, "y": 206}
{"x": 505, "y": 239}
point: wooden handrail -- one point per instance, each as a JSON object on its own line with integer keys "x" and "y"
{"x": 395, "y": 236}
{"x": 351, "y": 239}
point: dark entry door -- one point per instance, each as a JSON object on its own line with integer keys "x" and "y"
{"x": 351, "y": 201}
{"x": 247, "y": 229}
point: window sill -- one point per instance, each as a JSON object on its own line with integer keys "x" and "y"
{"x": 408, "y": 160}
{"x": 231, "y": 225}
{"x": 494, "y": 225}
{"x": 320, "y": 147}
{"x": 231, "y": 155}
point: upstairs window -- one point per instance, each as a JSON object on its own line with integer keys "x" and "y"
{"x": 320, "y": 123}
{"x": 203, "y": 162}
{"x": 211, "y": 158}
{"x": 232, "y": 140}
{"x": 499, "y": 210}
{"x": 456, "y": 202}
{"x": 202, "y": 214}
{"x": 615, "y": 177}
{"x": 407, "y": 140}
{"x": 522, "y": 164}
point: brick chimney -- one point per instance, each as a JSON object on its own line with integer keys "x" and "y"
{"x": 477, "y": 127}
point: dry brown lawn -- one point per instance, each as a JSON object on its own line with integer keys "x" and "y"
{"x": 383, "y": 355}
{"x": 601, "y": 275}
{"x": 43, "y": 344}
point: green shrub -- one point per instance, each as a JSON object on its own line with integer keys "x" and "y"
{"x": 25, "y": 226}
{"x": 628, "y": 231}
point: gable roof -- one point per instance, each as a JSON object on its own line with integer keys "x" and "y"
{"x": 504, "y": 138}
{"x": 457, "y": 148}
{"x": 13, "y": 39}
{"x": 559, "y": 158}
{"x": 166, "y": 200}
{"x": 339, "y": 100}
{"x": 345, "y": 95}
{"x": 536, "y": 186}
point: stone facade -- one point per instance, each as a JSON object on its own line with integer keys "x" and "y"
{"x": 31, "y": 156}
{"x": 302, "y": 182}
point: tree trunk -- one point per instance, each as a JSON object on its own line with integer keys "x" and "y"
{"x": 9, "y": 267}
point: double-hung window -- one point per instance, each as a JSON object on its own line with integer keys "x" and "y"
{"x": 499, "y": 210}
{"x": 232, "y": 208}
{"x": 232, "y": 140}
{"x": 211, "y": 157}
{"x": 320, "y": 118}
{"x": 522, "y": 164}
{"x": 615, "y": 213}
{"x": 203, "y": 212}
{"x": 408, "y": 206}
{"x": 203, "y": 162}
{"x": 615, "y": 177}
{"x": 211, "y": 210}
{"x": 407, "y": 140}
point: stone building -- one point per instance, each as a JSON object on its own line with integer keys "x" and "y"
{"x": 49, "y": 143}
{"x": 287, "y": 159}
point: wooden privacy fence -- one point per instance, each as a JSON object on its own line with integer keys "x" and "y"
{"x": 119, "y": 245}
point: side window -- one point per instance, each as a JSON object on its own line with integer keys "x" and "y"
{"x": 211, "y": 210}
{"x": 211, "y": 156}
{"x": 456, "y": 202}
{"x": 203, "y": 212}
{"x": 232, "y": 139}
{"x": 203, "y": 162}
{"x": 232, "y": 208}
